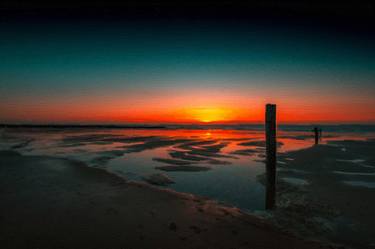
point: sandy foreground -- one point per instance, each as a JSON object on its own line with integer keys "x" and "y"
{"x": 327, "y": 192}
{"x": 49, "y": 202}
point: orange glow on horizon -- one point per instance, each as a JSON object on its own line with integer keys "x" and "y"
{"x": 210, "y": 114}
{"x": 190, "y": 107}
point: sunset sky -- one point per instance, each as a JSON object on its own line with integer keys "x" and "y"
{"x": 160, "y": 70}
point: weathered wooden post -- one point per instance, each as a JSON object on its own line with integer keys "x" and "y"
{"x": 271, "y": 155}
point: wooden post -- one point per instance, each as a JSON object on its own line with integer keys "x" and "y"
{"x": 271, "y": 155}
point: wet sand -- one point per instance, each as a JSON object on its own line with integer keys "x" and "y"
{"x": 49, "y": 202}
{"x": 316, "y": 199}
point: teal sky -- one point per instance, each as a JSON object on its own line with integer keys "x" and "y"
{"x": 42, "y": 61}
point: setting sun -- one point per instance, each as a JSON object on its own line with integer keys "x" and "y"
{"x": 208, "y": 115}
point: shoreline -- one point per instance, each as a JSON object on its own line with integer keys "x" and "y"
{"x": 46, "y": 197}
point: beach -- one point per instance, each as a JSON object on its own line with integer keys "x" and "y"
{"x": 153, "y": 189}
{"x": 203, "y": 124}
{"x": 56, "y": 203}
{"x": 328, "y": 191}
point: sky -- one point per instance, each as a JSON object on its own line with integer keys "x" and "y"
{"x": 183, "y": 70}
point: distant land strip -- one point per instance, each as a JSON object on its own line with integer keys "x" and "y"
{"x": 95, "y": 126}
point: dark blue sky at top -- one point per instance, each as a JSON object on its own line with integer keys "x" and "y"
{"x": 52, "y": 58}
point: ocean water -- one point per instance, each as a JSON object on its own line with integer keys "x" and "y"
{"x": 220, "y": 163}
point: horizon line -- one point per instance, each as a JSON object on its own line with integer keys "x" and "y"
{"x": 167, "y": 125}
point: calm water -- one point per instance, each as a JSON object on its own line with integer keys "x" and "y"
{"x": 222, "y": 164}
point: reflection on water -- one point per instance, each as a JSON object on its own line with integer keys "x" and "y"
{"x": 219, "y": 164}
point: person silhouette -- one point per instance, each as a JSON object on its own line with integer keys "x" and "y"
{"x": 316, "y": 133}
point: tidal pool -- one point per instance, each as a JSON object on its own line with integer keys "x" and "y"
{"x": 221, "y": 164}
